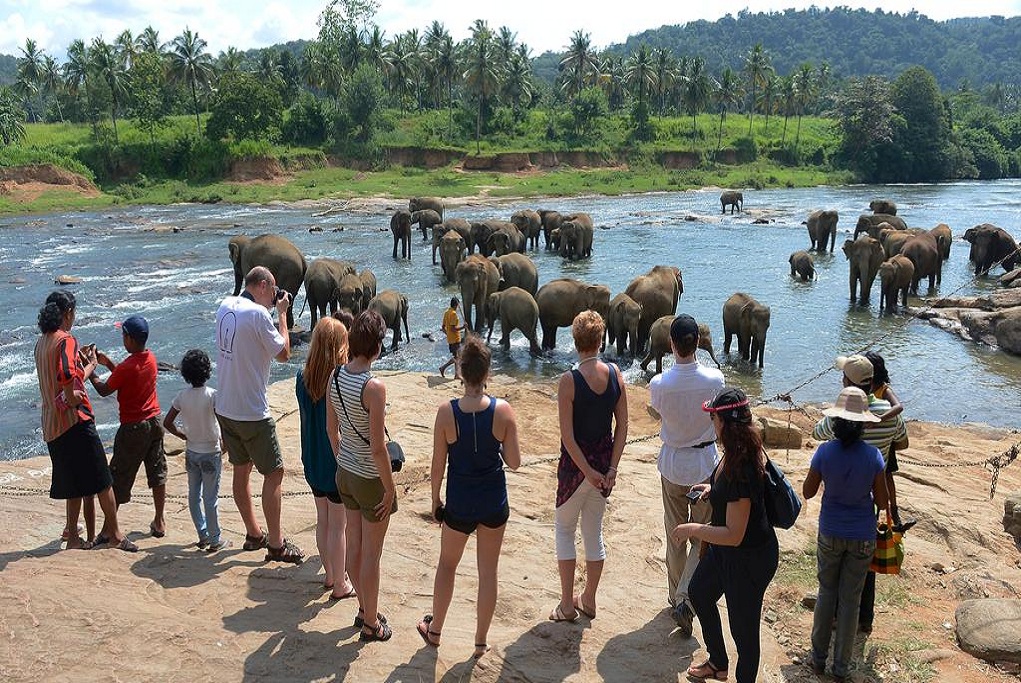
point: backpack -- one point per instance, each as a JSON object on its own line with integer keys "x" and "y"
{"x": 781, "y": 502}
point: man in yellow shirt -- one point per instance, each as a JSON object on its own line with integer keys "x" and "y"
{"x": 452, "y": 328}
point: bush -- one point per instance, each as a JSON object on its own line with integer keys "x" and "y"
{"x": 244, "y": 108}
{"x": 747, "y": 150}
{"x": 307, "y": 123}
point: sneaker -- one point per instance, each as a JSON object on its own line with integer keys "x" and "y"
{"x": 684, "y": 617}
{"x": 203, "y": 543}
{"x": 222, "y": 544}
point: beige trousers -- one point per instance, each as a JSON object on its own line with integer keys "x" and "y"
{"x": 681, "y": 560}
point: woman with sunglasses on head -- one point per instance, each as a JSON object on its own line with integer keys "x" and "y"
{"x": 742, "y": 552}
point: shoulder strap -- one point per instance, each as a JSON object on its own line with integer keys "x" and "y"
{"x": 336, "y": 383}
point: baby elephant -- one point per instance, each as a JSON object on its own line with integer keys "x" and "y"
{"x": 659, "y": 342}
{"x": 896, "y": 275}
{"x": 803, "y": 265}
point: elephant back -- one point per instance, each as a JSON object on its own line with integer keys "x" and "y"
{"x": 280, "y": 256}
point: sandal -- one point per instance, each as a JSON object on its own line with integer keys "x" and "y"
{"x": 706, "y": 670}
{"x": 558, "y": 615}
{"x": 125, "y": 545}
{"x": 427, "y": 633}
{"x": 286, "y": 553}
{"x": 480, "y": 650}
{"x": 155, "y": 532}
{"x": 100, "y": 540}
{"x": 350, "y": 594}
{"x": 579, "y": 606}
{"x": 255, "y": 542}
{"x": 83, "y": 544}
{"x": 360, "y": 620}
{"x": 382, "y": 632}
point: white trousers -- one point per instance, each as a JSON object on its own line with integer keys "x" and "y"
{"x": 589, "y": 504}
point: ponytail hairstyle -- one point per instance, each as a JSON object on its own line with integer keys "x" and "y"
{"x": 51, "y": 315}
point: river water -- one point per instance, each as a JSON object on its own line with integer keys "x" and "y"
{"x": 130, "y": 263}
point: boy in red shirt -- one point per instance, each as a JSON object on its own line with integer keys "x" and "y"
{"x": 140, "y": 437}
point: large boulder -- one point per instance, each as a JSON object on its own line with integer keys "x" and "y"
{"x": 1008, "y": 330}
{"x": 990, "y": 629}
{"x": 1012, "y": 516}
{"x": 778, "y": 434}
{"x": 1011, "y": 279}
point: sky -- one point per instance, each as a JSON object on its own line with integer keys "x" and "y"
{"x": 541, "y": 24}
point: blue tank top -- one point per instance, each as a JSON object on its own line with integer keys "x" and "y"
{"x": 317, "y": 457}
{"x": 476, "y": 485}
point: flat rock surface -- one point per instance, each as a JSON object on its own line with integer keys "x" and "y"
{"x": 991, "y": 629}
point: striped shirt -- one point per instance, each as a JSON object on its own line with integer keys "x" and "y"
{"x": 355, "y": 454}
{"x": 57, "y": 365}
{"x": 878, "y": 434}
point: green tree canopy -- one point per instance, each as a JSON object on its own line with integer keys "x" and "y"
{"x": 245, "y": 108}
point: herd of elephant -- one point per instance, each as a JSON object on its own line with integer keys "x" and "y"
{"x": 884, "y": 245}
{"x": 502, "y": 283}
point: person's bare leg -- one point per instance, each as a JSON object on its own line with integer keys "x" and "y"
{"x": 593, "y": 572}
{"x": 489, "y": 543}
{"x": 243, "y": 499}
{"x": 111, "y": 529}
{"x": 272, "y": 501}
{"x": 73, "y": 508}
{"x": 452, "y": 545}
{"x": 336, "y": 548}
{"x": 566, "y": 569}
{"x": 322, "y": 536}
{"x": 373, "y": 535}
{"x": 89, "y": 512}
{"x": 353, "y": 558}
{"x": 159, "y": 502}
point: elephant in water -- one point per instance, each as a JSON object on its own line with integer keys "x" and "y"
{"x": 944, "y": 238}
{"x": 425, "y": 219}
{"x": 659, "y": 343}
{"x": 871, "y": 224}
{"x": 452, "y": 252}
{"x": 991, "y": 245}
{"x": 733, "y": 199}
{"x": 274, "y": 252}
{"x": 422, "y": 203}
{"x": 895, "y": 277}
{"x": 864, "y": 256}
{"x": 504, "y": 239}
{"x": 458, "y": 225}
{"x": 393, "y": 307}
{"x": 749, "y": 320}
{"x": 923, "y": 251}
{"x": 477, "y": 278}
{"x": 517, "y": 270}
{"x": 350, "y": 294}
{"x": 883, "y": 206}
{"x": 622, "y": 323}
{"x": 400, "y": 226}
{"x": 802, "y": 265}
{"x": 822, "y": 227}
{"x": 562, "y": 299}
{"x": 657, "y": 291}
{"x": 551, "y": 221}
{"x": 516, "y": 310}
{"x": 530, "y": 224}
{"x": 576, "y": 237}
{"x": 368, "y": 280}
{"x": 322, "y": 278}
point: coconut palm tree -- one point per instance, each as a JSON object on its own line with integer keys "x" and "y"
{"x": 788, "y": 101}
{"x": 517, "y": 85}
{"x": 666, "y": 74}
{"x": 402, "y": 67}
{"x": 229, "y": 62}
{"x": 446, "y": 68}
{"x": 482, "y": 76}
{"x": 804, "y": 87}
{"x": 611, "y": 80}
{"x": 698, "y": 88}
{"x": 76, "y": 75}
{"x": 757, "y": 69}
{"x": 728, "y": 95}
{"x": 432, "y": 44}
{"x": 110, "y": 68}
{"x": 127, "y": 48}
{"x": 375, "y": 49}
{"x": 191, "y": 64}
{"x": 640, "y": 72}
{"x": 52, "y": 82}
{"x": 768, "y": 97}
{"x": 269, "y": 68}
{"x": 12, "y": 130}
{"x": 29, "y": 75}
{"x": 580, "y": 63}
{"x": 149, "y": 41}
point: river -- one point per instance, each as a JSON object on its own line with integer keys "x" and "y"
{"x": 130, "y": 263}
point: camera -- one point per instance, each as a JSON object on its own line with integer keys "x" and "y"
{"x": 280, "y": 294}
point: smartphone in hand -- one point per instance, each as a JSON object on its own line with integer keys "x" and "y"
{"x": 694, "y": 495}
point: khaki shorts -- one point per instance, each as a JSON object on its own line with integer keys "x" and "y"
{"x": 359, "y": 493}
{"x": 252, "y": 442}
{"x": 137, "y": 443}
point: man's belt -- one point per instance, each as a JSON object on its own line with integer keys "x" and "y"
{"x": 704, "y": 444}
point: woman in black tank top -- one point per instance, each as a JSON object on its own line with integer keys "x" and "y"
{"x": 593, "y": 429}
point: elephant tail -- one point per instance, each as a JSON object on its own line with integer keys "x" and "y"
{"x": 302, "y": 311}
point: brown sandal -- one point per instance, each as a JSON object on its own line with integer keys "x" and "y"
{"x": 706, "y": 670}
{"x": 427, "y": 633}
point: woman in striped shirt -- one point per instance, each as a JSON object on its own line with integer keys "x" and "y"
{"x": 355, "y": 426}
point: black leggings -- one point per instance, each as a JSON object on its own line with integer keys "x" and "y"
{"x": 742, "y": 575}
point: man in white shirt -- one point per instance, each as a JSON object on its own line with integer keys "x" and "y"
{"x": 248, "y": 342}
{"x": 687, "y": 457}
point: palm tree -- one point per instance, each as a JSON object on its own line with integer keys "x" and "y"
{"x": 401, "y": 67}
{"x": 29, "y": 74}
{"x": 768, "y": 97}
{"x": 481, "y": 77}
{"x": 230, "y": 61}
{"x": 580, "y": 63}
{"x": 12, "y": 130}
{"x": 351, "y": 50}
{"x": 788, "y": 97}
{"x": 110, "y": 68}
{"x": 432, "y": 44}
{"x": 517, "y": 86}
{"x": 757, "y": 69}
{"x": 804, "y": 87}
{"x": 611, "y": 79}
{"x": 666, "y": 74}
{"x": 76, "y": 75}
{"x": 640, "y": 72}
{"x": 52, "y": 82}
{"x": 446, "y": 69}
{"x": 127, "y": 48}
{"x": 375, "y": 50}
{"x": 149, "y": 41}
{"x": 191, "y": 64}
{"x": 728, "y": 95}
{"x": 269, "y": 66}
{"x": 697, "y": 90}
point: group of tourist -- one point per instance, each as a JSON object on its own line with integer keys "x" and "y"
{"x": 711, "y": 462}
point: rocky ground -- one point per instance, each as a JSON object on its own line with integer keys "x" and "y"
{"x": 993, "y": 319}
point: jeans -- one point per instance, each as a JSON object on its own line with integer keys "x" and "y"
{"x": 204, "y": 484}
{"x": 742, "y": 575}
{"x": 843, "y": 565}
{"x": 681, "y": 560}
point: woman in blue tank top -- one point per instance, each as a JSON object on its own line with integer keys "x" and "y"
{"x": 473, "y": 438}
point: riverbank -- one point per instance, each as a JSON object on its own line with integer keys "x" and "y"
{"x": 231, "y": 617}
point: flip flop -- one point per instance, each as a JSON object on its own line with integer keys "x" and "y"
{"x": 350, "y": 594}
{"x": 155, "y": 533}
{"x": 558, "y": 615}
{"x": 579, "y": 606}
{"x": 427, "y": 633}
{"x": 480, "y": 650}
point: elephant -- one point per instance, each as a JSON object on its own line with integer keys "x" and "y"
{"x": 864, "y": 256}
{"x": 350, "y": 294}
{"x": 822, "y": 227}
{"x": 478, "y": 278}
{"x": 944, "y": 237}
{"x": 749, "y": 320}
{"x": 893, "y": 240}
{"x": 452, "y": 252}
{"x": 991, "y": 245}
{"x": 400, "y": 226}
{"x": 393, "y": 307}
{"x": 505, "y": 239}
{"x": 659, "y": 343}
{"x": 278, "y": 254}
{"x": 517, "y": 270}
{"x": 480, "y": 232}
{"x": 576, "y": 237}
{"x": 516, "y": 309}
{"x": 562, "y": 299}
{"x": 924, "y": 254}
{"x": 322, "y": 278}
{"x": 530, "y": 224}
{"x": 802, "y": 264}
{"x": 458, "y": 225}
{"x": 422, "y": 203}
{"x": 551, "y": 221}
{"x": 425, "y": 219}
{"x": 554, "y": 239}
{"x": 733, "y": 199}
{"x": 895, "y": 277}
{"x": 622, "y": 323}
{"x": 368, "y": 279}
{"x": 870, "y": 224}
{"x": 883, "y": 206}
{"x": 657, "y": 291}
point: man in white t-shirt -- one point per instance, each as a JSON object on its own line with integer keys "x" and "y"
{"x": 687, "y": 457}
{"x": 248, "y": 341}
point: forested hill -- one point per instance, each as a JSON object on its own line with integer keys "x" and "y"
{"x": 8, "y": 68}
{"x": 854, "y": 42}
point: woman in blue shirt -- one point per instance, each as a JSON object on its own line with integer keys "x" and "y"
{"x": 853, "y": 474}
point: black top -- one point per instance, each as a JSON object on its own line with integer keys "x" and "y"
{"x": 748, "y": 485}
{"x": 593, "y": 413}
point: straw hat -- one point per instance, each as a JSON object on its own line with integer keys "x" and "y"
{"x": 852, "y": 404}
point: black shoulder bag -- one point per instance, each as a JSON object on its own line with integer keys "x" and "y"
{"x": 393, "y": 448}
